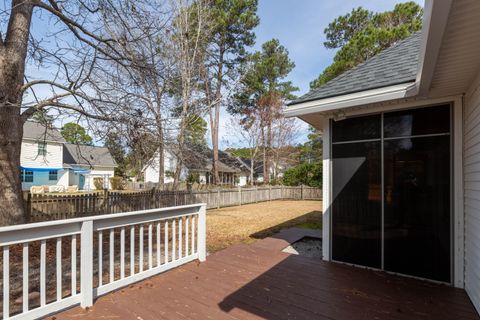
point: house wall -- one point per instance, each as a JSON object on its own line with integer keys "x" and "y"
{"x": 101, "y": 172}
{"x": 242, "y": 181}
{"x": 472, "y": 192}
{"x": 151, "y": 170}
{"x": 41, "y": 179}
{"x": 29, "y": 155}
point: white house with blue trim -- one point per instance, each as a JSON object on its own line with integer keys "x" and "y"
{"x": 46, "y": 159}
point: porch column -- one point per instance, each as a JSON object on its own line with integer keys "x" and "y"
{"x": 327, "y": 179}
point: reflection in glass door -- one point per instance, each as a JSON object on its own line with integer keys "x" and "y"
{"x": 397, "y": 218}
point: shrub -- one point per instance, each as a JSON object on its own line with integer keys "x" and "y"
{"x": 193, "y": 178}
{"x": 309, "y": 174}
{"x": 117, "y": 183}
{"x": 98, "y": 183}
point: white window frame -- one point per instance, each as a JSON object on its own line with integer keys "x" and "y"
{"x": 42, "y": 151}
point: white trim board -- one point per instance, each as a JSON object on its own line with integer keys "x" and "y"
{"x": 394, "y": 92}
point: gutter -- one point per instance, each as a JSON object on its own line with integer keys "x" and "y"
{"x": 398, "y": 91}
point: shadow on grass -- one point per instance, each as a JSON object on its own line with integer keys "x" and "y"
{"x": 311, "y": 220}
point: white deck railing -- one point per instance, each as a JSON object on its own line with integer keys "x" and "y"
{"x": 50, "y": 266}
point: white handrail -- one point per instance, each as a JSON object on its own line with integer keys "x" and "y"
{"x": 93, "y": 280}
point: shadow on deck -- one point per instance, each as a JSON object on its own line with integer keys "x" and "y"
{"x": 259, "y": 281}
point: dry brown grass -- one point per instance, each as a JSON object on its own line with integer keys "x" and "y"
{"x": 244, "y": 224}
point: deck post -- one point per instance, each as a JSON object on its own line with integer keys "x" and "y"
{"x": 86, "y": 266}
{"x": 202, "y": 233}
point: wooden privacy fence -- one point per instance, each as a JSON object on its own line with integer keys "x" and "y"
{"x": 50, "y": 266}
{"x": 63, "y": 206}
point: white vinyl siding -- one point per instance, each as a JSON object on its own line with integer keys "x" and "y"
{"x": 42, "y": 178}
{"x": 151, "y": 171}
{"x": 105, "y": 173}
{"x": 472, "y": 192}
{"x": 30, "y": 158}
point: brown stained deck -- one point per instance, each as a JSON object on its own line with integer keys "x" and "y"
{"x": 259, "y": 281}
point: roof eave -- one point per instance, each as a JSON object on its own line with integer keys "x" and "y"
{"x": 435, "y": 19}
{"x": 398, "y": 91}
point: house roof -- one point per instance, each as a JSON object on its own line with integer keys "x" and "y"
{"x": 74, "y": 154}
{"x": 199, "y": 158}
{"x": 395, "y": 65}
{"x": 38, "y": 131}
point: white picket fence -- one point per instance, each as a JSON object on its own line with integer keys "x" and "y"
{"x": 50, "y": 266}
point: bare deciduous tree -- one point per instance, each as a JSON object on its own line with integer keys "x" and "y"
{"x": 71, "y": 42}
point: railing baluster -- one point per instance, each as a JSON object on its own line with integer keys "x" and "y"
{"x": 25, "y": 277}
{"x": 100, "y": 258}
{"x": 59, "y": 269}
{"x": 6, "y": 282}
{"x": 150, "y": 263}
{"x": 122, "y": 253}
{"x": 43, "y": 267}
{"x": 165, "y": 245}
{"x": 140, "y": 253}
{"x": 112, "y": 253}
{"x": 182, "y": 246}
{"x": 180, "y": 237}
{"x": 132, "y": 250}
{"x": 186, "y": 236}
{"x": 174, "y": 239}
{"x": 193, "y": 234}
{"x": 158, "y": 244}
{"x": 74, "y": 265}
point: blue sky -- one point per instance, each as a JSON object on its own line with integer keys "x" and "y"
{"x": 299, "y": 25}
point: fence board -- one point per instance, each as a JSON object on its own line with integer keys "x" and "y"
{"x": 64, "y": 206}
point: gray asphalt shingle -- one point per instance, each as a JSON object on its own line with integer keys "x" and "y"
{"x": 74, "y": 154}
{"x": 392, "y": 66}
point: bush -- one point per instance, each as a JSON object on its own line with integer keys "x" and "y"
{"x": 193, "y": 178}
{"x": 309, "y": 174}
{"x": 117, "y": 183}
{"x": 98, "y": 183}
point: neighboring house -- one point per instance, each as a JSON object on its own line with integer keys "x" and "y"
{"x": 41, "y": 156}
{"x": 401, "y": 148}
{"x": 46, "y": 159}
{"x": 85, "y": 163}
{"x": 198, "y": 160}
{"x": 276, "y": 169}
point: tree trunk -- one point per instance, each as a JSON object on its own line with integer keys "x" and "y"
{"x": 264, "y": 154}
{"x": 161, "y": 166}
{"x": 268, "y": 152}
{"x": 13, "y": 52}
{"x": 218, "y": 103}
{"x": 161, "y": 157}
{"x": 11, "y": 197}
{"x": 251, "y": 170}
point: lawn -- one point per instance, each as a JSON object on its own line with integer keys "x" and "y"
{"x": 245, "y": 224}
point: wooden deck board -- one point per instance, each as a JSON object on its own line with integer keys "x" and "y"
{"x": 259, "y": 281}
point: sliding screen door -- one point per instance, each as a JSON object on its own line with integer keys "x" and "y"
{"x": 391, "y": 197}
{"x": 356, "y": 207}
{"x": 417, "y": 193}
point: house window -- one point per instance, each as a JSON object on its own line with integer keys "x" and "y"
{"x": 42, "y": 149}
{"x": 53, "y": 175}
{"x": 26, "y": 176}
